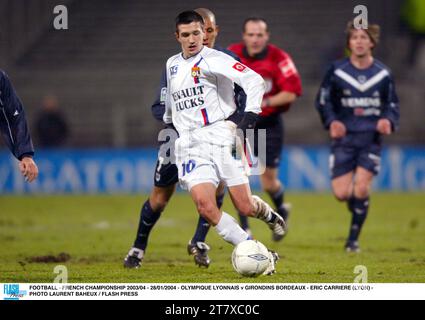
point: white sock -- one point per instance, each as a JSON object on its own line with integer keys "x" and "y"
{"x": 230, "y": 230}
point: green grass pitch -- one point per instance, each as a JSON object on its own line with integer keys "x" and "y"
{"x": 97, "y": 231}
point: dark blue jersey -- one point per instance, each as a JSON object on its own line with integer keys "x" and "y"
{"x": 358, "y": 97}
{"x": 158, "y": 107}
{"x": 13, "y": 125}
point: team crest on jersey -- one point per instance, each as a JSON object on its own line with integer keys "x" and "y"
{"x": 196, "y": 73}
{"x": 376, "y": 94}
{"x": 362, "y": 79}
{"x": 240, "y": 67}
{"x": 173, "y": 70}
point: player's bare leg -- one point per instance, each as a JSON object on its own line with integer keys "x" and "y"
{"x": 342, "y": 186}
{"x": 254, "y": 206}
{"x": 363, "y": 183}
{"x": 272, "y": 185}
{"x": 160, "y": 196}
{"x": 269, "y": 180}
{"x": 150, "y": 213}
{"x": 203, "y": 196}
{"x": 354, "y": 188}
{"x": 242, "y": 199}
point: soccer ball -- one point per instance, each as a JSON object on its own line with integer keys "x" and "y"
{"x": 250, "y": 258}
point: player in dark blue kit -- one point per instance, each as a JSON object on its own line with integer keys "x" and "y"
{"x": 14, "y": 128}
{"x": 166, "y": 174}
{"x": 358, "y": 104}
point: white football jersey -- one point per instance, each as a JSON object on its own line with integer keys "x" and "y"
{"x": 200, "y": 89}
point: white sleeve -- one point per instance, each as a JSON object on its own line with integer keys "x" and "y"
{"x": 168, "y": 116}
{"x": 250, "y": 81}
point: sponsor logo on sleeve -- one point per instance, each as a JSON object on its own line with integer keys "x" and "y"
{"x": 163, "y": 95}
{"x": 173, "y": 70}
{"x": 287, "y": 67}
{"x": 240, "y": 67}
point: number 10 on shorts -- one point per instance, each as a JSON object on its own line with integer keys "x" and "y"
{"x": 188, "y": 167}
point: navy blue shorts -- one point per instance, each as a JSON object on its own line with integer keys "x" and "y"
{"x": 355, "y": 150}
{"x": 166, "y": 175}
{"x": 274, "y": 139}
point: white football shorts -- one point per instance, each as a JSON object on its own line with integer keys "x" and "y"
{"x": 205, "y": 155}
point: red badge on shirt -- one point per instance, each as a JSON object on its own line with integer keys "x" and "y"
{"x": 240, "y": 67}
{"x": 288, "y": 68}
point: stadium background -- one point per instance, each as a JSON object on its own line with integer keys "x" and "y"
{"x": 105, "y": 71}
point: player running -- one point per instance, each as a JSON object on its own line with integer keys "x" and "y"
{"x": 200, "y": 99}
{"x": 283, "y": 86}
{"x": 14, "y": 128}
{"x": 358, "y": 104}
{"x": 166, "y": 175}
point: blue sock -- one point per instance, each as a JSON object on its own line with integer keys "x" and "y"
{"x": 244, "y": 222}
{"x": 148, "y": 218}
{"x": 277, "y": 197}
{"x": 201, "y": 231}
{"x": 359, "y": 210}
{"x": 220, "y": 200}
{"x": 203, "y": 226}
{"x": 350, "y": 203}
{"x": 278, "y": 200}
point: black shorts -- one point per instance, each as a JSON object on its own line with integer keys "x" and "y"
{"x": 165, "y": 175}
{"x": 274, "y": 139}
{"x": 356, "y": 150}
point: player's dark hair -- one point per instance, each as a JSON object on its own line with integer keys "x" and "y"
{"x": 187, "y": 17}
{"x": 254, "y": 19}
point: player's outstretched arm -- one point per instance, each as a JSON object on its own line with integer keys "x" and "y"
{"x": 251, "y": 82}
{"x": 14, "y": 128}
{"x": 13, "y": 122}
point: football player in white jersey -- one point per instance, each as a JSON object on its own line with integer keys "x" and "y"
{"x": 200, "y": 97}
